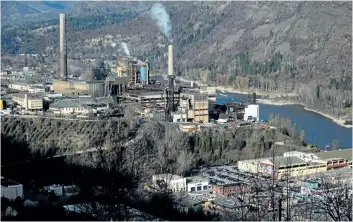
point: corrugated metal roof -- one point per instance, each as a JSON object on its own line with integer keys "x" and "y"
{"x": 344, "y": 153}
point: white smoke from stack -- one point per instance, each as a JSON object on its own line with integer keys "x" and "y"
{"x": 161, "y": 16}
{"x": 125, "y": 48}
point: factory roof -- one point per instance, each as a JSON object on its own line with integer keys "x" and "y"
{"x": 231, "y": 184}
{"x": 29, "y": 96}
{"x": 146, "y": 92}
{"x": 280, "y": 161}
{"x": 21, "y": 83}
{"x": 7, "y": 182}
{"x": 344, "y": 153}
{"x": 79, "y": 102}
{"x": 196, "y": 179}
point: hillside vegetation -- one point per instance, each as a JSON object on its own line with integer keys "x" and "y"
{"x": 290, "y": 47}
{"x": 156, "y": 148}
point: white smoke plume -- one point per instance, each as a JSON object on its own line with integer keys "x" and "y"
{"x": 125, "y": 48}
{"x": 161, "y": 16}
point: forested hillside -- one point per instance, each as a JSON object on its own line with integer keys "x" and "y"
{"x": 298, "y": 47}
{"x": 156, "y": 148}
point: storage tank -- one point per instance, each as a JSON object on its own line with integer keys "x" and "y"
{"x": 143, "y": 73}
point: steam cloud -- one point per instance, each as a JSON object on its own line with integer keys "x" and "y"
{"x": 125, "y": 48}
{"x": 161, "y": 16}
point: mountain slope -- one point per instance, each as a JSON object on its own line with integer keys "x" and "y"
{"x": 300, "y": 47}
{"x": 20, "y": 12}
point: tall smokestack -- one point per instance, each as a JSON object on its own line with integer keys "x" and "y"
{"x": 170, "y": 60}
{"x": 254, "y": 98}
{"x": 63, "y": 51}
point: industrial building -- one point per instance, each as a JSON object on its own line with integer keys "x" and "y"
{"x": 231, "y": 189}
{"x": 336, "y": 158}
{"x": 177, "y": 183}
{"x": 291, "y": 164}
{"x": 197, "y": 184}
{"x": 195, "y": 106}
{"x": 28, "y": 102}
{"x": 94, "y": 88}
{"x": 21, "y": 86}
{"x": 252, "y": 112}
{"x": 11, "y": 189}
{"x": 79, "y": 105}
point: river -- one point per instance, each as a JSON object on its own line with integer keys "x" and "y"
{"x": 318, "y": 129}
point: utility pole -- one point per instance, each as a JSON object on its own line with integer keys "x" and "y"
{"x": 273, "y": 185}
{"x": 280, "y": 209}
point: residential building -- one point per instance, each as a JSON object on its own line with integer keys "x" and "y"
{"x": 11, "y": 189}
{"x": 28, "y": 102}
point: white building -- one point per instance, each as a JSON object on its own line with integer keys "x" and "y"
{"x": 173, "y": 182}
{"x": 252, "y": 111}
{"x": 11, "y": 189}
{"x": 197, "y": 184}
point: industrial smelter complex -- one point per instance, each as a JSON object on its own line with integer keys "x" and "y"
{"x": 129, "y": 80}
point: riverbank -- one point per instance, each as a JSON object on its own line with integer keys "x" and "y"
{"x": 283, "y": 103}
{"x": 270, "y": 101}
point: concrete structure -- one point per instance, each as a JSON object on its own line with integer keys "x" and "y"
{"x": 11, "y": 189}
{"x": 197, "y": 184}
{"x": 336, "y": 158}
{"x": 195, "y": 106}
{"x": 63, "y": 49}
{"x": 170, "y": 61}
{"x": 231, "y": 189}
{"x": 28, "y": 102}
{"x": 252, "y": 112}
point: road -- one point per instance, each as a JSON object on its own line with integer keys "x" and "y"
{"x": 56, "y": 118}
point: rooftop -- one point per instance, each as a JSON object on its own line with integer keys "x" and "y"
{"x": 7, "y": 182}
{"x": 344, "y": 153}
{"x": 29, "y": 96}
{"x": 280, "y": 161}
{"x": 196, "y": 179}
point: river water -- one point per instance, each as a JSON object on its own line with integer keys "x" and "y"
{"x": 318, "y": 129}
